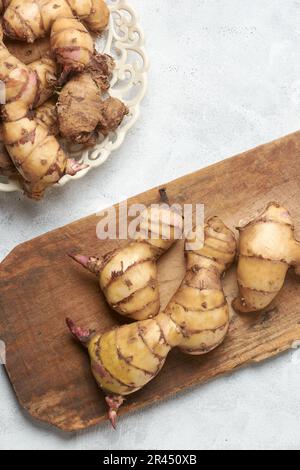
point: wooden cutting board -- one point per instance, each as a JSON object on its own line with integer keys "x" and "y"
{"x": 40, "y": 286}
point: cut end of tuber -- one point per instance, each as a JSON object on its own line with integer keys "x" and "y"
{"x": 114, "y": 403}
{"x": 81, "y": 334}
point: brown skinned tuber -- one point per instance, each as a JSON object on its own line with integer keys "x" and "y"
{"x": 196, "y": 320}
{"x": 78, "y": 110}
{"x": 83, "y": 114}
{"x": 112, "y": 112}
{"x": 267, "y": 248}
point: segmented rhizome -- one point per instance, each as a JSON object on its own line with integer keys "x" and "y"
{"x": 196, "y": 320}
{"x": 267, "y": 248}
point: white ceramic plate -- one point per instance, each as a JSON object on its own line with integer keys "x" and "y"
{"x": 124, "y": 41}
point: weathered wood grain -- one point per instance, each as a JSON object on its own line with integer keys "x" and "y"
{"x": 40, "y": 286}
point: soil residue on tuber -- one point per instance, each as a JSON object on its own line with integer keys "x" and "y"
{"x": 83, "y": 113}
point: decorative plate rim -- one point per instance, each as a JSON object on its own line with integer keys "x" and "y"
{"x": 123, "y": 43}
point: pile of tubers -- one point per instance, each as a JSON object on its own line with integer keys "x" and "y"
{"x": 197, "y": 319}
{"x": 56, "y": 84}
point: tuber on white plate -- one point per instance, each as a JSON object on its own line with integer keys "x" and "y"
{"x": 28, "y": 20}
{"x": 61, "y": 48}
{"x": 71, "y": 42}
{"x": 28, "y": 53}
{"x": 36, "y": 154}
{"x": 83, "y": 112}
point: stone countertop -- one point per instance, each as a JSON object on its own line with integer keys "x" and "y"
{"x": 224, "y": 77}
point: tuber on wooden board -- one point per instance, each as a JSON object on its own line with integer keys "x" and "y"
{"x": 128, "y": 276}
{"x": 64, "y": 394}
{"x": 267, "y": 248}
{"x": 196, "y": 320}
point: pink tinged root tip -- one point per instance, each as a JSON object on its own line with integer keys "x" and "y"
{"x": 92, "y": 264}
{"x": 114, "y": 403}
{"x": 73, "y": 167}
{"x": 81, "y": 334}
{"x": 81, "y": 259}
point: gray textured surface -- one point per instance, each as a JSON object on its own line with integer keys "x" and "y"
{"x": 225, "y": 77}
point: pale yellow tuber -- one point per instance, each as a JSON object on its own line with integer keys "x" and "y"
{"x": 29, "y": 20}
{"x": 46, "y": 74}
{"x": 70, "y": 41}
{"x": 267, "y": 248}
{"x": 196, "y": 320}
{"x": 7, "y": 168}
{"x": 36, "y": 154}
{"x": 199, "y": 307}
{"x": 72, "y": 44}
{"x": 47, "y": 114}
{"x": 46, "y": 71}
{"x": 128, "y": 275}
{"x": 28, "y": 53}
